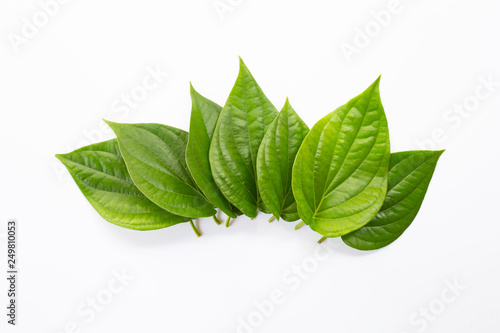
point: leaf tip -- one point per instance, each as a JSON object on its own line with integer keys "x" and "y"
{"x": 440, "y": 152}
{"x": 110, "y": 123}
{"x": 243, "y": 67}
{"x": 287, "y": 105}
{"x": 374, "y": 87}
{"x": 62, "y": 158}
{"x": 192, "y": 91}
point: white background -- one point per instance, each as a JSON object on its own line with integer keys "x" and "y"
{"x": 433, "y": 55}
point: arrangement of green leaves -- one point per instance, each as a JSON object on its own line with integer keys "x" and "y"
{"x": 339, "y": 178}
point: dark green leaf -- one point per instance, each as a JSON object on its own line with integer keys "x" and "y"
{"x": 275, "y": 161}
{"x": 233, "y": 152}
{"x": 340, "y": 173}
{"x": 101, "y": 174}
{"x": 204, "y": 115}
{"x": 155, "y": 156}
{"x": 410, "y": 173}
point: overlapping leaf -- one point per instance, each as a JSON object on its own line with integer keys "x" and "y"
{"x": 275, "y": 161}
{"x": 239, "y": 131}
{"x": 410, "y": 173}
{"x": 155, "y": 156}
{"x": 101, "y": 174}
{"x": 340, "y": 173}
{"x": 340, "y": 177}
{"x": 204, "y": 115}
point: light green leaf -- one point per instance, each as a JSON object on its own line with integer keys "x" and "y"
{"x": 275, "y": 161}
{"x": 340, "y": 173}
{"x": 410, "y": 173}
{"x": 204, "y": 115}
{"x": 101, "y": 174}
{"x": 233, "y": 151}
{"x": 155, "y": 156}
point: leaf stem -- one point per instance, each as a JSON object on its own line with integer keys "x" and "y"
{"x": 227, "y": 221}
{"x": 271, "y": 219}
{"x": 299, "y": 225}
{"x": 194, "y": 228}
{"x": 322, "y": 239}
{"x": 216, "y": 219}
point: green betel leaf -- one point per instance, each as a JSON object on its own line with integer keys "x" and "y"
{"x": 410, "y": 173}
{"x": 233, "y": 151}
{"x": 155, "y": 156}
{"x": 275, "y": 161}
{"x": 101, "y": 174}
{"x": 204, "y": 115}
{"x": 339, "y": 176}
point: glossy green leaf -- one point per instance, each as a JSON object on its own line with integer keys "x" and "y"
{"x": 233, "y": 151}
{"x": 204, "y": 115}
{"x": 410, "y": 173}
{"x": 155, "y": 156}
{"x": 340, "y": 173}
{"x": 101, "y": 174}
{"x": 275, "y": 161}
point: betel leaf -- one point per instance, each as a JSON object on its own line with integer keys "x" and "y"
{"x": 204, "y": 115}
{"x": 275, "y": 161}
{"x": 410, "y": 173}
{"x": 155, "y": 156}
{"x": 101, "y": 174}
{"x": 339, "y": 176}
{"x": 240, "y": 129}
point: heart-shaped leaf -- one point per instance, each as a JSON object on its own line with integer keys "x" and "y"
{"x": 275, "y": 161}
{"x": 235, "y": 143}
{"x": 155, "y": 156}
{"x": 101, "y": 174}
{"x": 410, "y": 173}
{"x": 340, "y": 173}
{"x": 204, "y": 115}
